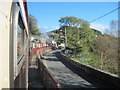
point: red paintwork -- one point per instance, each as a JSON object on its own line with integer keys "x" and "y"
{"x": 26, "y": 11}
{"x": 39, "y": 49}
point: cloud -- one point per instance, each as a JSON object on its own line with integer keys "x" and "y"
{"x": 44, "y": 28}
{"x": 99, "y": 27}
{"x": 55, "y": 27}
{"x": 48, "y": 28}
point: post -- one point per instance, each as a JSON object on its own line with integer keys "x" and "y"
{"x": 65, "y": 37}
{"x": 119, "y": 40}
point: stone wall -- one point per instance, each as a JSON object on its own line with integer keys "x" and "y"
{"x": 111, "y": 79}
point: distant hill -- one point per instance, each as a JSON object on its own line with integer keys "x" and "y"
{"x": 97, "y": 32}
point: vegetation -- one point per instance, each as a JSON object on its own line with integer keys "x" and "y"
{"x": 73, "y": 22}
{"x": 34, "y": 41}
{"x": 88, "y": 45}
{"x": 33, "y": 26}
{"x": 79, "y": 38}
{"x": 106, "y": 48}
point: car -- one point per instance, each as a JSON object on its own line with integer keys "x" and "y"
{"x": 61, "y": 46}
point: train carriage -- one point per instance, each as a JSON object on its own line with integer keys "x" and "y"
{"x": 14, "y": 44}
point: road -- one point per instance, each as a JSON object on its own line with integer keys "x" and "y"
{"x": 67, "y": 75}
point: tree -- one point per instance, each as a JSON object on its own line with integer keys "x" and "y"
{"x": 79, "y": 33}
{"x": 71, "y": 21}
{"x": 106, "y": 47}
{"x": 33, "y": 26}
{"x": 79, "y": 38}
{"x": 114, "y": 28}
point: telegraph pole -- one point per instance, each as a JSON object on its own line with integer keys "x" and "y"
{"x": 118, "y": 40}
{"x": 65, "y": 37}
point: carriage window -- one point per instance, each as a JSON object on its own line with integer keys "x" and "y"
{"x": 20, "y": 41}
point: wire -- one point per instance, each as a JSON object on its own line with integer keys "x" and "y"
{"x": 104, "y": 15}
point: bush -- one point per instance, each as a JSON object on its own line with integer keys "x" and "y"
{"x": 34, "y": 41}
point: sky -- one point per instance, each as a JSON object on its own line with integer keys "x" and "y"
{"x": 49, "y": 13}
